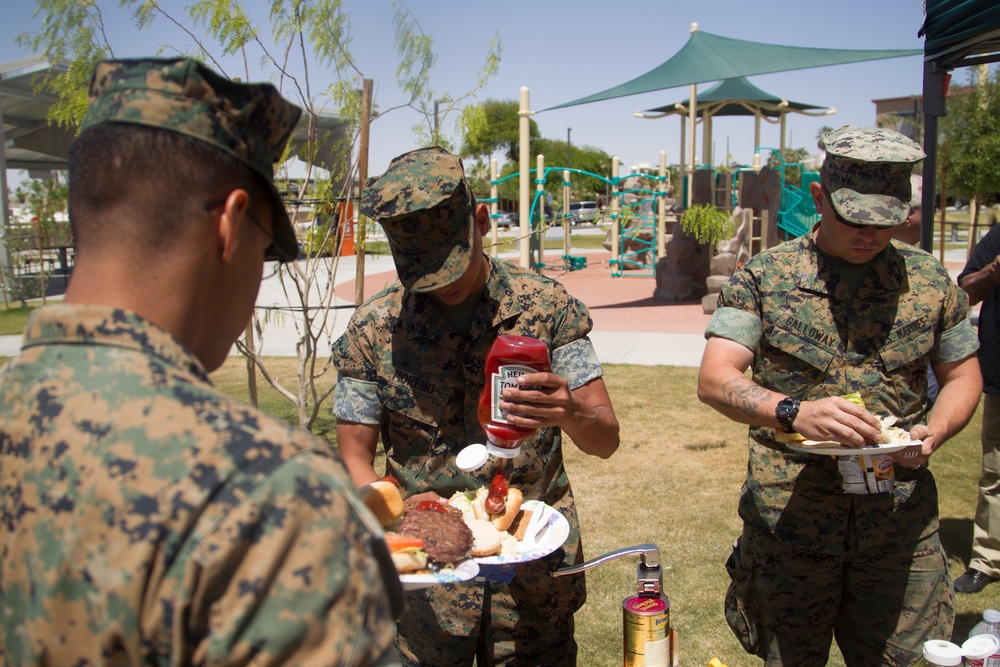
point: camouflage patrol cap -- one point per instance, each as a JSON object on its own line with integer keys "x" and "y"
{"x": 867, "y": 173}
{"x": 426, "y": 208}
{"x": 251, "y": 122}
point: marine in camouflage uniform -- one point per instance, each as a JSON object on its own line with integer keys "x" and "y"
{"x": 814, "y": 322}
{"x": 148, "y": 518}
{"x": 407, "y": 373}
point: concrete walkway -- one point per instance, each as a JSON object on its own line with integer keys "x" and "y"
{"x": 629, "y": 327}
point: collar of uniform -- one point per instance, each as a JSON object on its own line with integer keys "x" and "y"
{"x": 887, "y": 275}
{"x": 498, "y": 305}
{"x": 101, "y": 325}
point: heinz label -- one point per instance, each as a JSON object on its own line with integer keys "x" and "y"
{"x": 506, "y": 376}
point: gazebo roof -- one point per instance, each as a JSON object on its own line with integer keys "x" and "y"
{"x": 736, "y": 97}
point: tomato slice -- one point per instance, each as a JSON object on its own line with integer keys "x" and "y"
{"x": 431, "y": 506}
{"x": 399, "y": 542}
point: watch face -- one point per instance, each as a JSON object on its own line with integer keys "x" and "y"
{"x": 786, "y": 412}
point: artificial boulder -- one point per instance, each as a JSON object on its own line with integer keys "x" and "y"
{"x": 681, "y": 275}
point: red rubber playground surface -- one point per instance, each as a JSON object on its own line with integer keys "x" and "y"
{"x": 616, "y": 304}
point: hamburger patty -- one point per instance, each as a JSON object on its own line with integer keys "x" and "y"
{"x": 446, "y": 537}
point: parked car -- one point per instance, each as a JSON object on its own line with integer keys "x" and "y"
{"x": 504, "y": 219}
{"x": 585, "y": 211}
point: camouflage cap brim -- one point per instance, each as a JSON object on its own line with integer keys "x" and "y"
{"x": 869, "y": 209}
{"x": 426, "y": 207}
{"x": 251, "y": 122}
{"x": 431, "y": 270}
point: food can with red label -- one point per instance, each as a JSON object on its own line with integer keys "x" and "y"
{"x": 646, "y": 631}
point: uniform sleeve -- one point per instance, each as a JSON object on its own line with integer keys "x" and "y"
{"x": 289, "y": 575}
{"x": 738, "y": 316}
{"x": 958, "y": 339}
{"x": 573, "y": 355}
{"x": 577, "y": 362}
{"x": 355, "y": 399}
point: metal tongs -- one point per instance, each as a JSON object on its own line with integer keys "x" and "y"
{"x": 650, "y": 574}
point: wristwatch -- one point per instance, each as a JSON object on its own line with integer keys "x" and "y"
{"x": 786, "y": 412}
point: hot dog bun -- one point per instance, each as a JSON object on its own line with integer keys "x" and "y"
{"x": 485, "y": 538}
{"x": 384, "y": 500}
{"x": 500, "y": 521}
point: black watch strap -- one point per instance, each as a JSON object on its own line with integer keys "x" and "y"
{"x": 786, "y": 412}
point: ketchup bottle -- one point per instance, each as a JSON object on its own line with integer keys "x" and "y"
{"x": 509, "y": 357}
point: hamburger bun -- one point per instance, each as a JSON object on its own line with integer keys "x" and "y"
{"x": 407, "y": 562}
{"x": 383, "y": 498}
{"x": 485, "y": 538}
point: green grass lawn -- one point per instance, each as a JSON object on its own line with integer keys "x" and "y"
{"x": 675, "y": 482}
{"x": 13, "y": 320}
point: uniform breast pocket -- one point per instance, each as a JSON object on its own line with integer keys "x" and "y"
{"x": 907, "y": 350}
{"x": 414, "y": 415}
{"x": 800, "y": 353}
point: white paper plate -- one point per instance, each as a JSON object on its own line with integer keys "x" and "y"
{"x": 553, "y": 536}
{"x": 836, "y": 449}
{"x": 464, "y": 571}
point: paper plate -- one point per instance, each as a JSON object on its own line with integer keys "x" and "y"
{"x": 464, "y": 571}
{"x": 550, "y": 538}
{"x": 837, "y": 449}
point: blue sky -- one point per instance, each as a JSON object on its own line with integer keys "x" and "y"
{"x": 565, "y": 49}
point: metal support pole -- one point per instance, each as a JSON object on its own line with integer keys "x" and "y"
{"x": 524, "y": 128}
{"x": 661, "y": 218}
{"x": 540, "y": 187}
{"x": 615, "y": 216}
{"x": 494, "y": 192}
{"x": 567, "y": 221}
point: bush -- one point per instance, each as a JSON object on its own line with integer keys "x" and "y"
{"x": 707, "y": 224}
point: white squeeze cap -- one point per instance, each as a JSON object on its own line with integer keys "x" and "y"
{"x": 991, "y": 616}
{"x": 940, "y": 652}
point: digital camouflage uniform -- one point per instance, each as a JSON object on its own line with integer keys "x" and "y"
{"x": 401, "y": 365}
{"x": 147, "y": 518}
{"x": 814, "y": 562}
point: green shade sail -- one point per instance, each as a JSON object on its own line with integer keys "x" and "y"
{"x": 707, "y": 57}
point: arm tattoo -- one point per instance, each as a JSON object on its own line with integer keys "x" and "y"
{"x": 744, "y": 395}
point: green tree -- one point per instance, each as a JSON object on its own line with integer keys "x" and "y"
{"x": 819, "y": 135}
{"x": 494, "y": 127}
{"x": 585, "y": 158}
{"x": 788, "y": 157}
{"x": 971, "y": 140}
{"x": 288, "y": 45}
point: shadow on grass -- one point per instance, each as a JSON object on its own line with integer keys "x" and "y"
{"x": 956, "y": 537}
{"x": 706, "y": 446}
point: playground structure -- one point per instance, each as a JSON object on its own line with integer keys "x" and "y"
{"x": 765, "y": 203}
